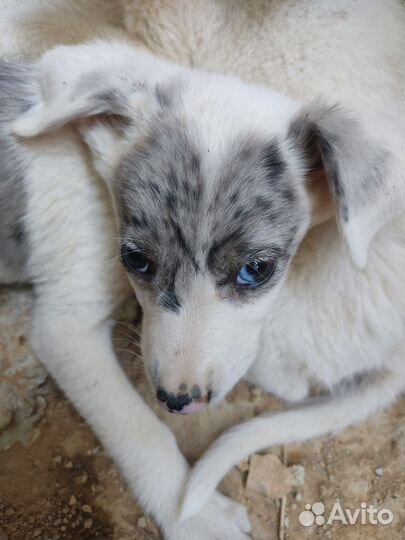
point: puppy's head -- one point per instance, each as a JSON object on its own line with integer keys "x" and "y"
{"x": 215, "y": 183}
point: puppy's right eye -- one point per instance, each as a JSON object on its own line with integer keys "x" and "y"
{"x": 135, "y": 261}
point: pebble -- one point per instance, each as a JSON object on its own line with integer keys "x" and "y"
{"x": 379, "y": 472}
{"x": 6, "y": 416}
{"x": 10, "y": 511}
{"x": 298, "y": 473}
{"x": 269, "y": 476}
{"x": 142, "y": 522}
{"x": 87, "y": 508}
{"x": 57, "y": 459}
{"x": 243, "y": 466}
{"x": 88, "y": 523}
{"x": 82, "y": 479}
{"x": 72, "y": 500}
{"x": 37, "y": 532}
{"x": 68, "y": 465}
{"x": 256, "y": 392}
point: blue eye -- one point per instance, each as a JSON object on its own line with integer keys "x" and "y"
{"x": 135, "y": 261}
{"x": 254, "y": 273}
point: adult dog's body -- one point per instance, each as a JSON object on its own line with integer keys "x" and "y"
{"x": 330, "y": 322}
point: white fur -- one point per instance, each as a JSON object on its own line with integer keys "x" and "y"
{"x": 79, "y": 284}
{"x": 324, "y": 300}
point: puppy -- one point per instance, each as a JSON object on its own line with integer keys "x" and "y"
{"x": 218, "y": 191}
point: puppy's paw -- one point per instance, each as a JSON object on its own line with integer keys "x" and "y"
{"x": 220, "y": 519}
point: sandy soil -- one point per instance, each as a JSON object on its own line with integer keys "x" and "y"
{"x": 56, "y": 482}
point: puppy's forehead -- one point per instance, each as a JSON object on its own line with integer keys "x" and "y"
{"x": 160, "y": 185}
{"x": 183, "y": 199}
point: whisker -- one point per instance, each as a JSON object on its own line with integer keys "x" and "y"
{"x": 129, "y": 327}
{"x": 132, "y": 353}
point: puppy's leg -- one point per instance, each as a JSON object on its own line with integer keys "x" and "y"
{"x": 79, "y": 355}
{"x": 78, "y": 285}
{"x": 314, "y": 418}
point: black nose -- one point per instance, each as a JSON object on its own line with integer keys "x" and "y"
{"x": 174, "y": 402}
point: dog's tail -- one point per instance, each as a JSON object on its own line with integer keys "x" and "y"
{"x": 316, "y": 417}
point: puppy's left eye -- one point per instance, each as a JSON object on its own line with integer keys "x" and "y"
{"x": 255, "y": 273}
{"x": 135, "y": 261}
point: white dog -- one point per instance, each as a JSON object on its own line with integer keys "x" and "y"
{"x": 224, "y": 196}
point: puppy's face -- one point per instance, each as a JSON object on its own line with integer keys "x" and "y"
{"x": 207, "y": 235}
{"x": 215, "y": 183}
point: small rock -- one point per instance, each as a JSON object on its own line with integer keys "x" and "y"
{"x": 88, "y": 523}
{"x": 63, "y": 528}
{"x": 269, "y": 476}
{"x": 6, "y": 416}
{"x": 68, "y": 465}
{"x": 243, "y": 466}
{"x": 286, "y": 522}
{"x": 57, "y": 522}
{"x": 37, "y": 532}
{"x": 82, "y": 479}
{"x": 232, "y": 484}
{"x": 41, "y": 404}
{"x": 87, "y": 508}
{"x": 256, "y": 392}
{"x": 142, "y": 522}
{"x": 65, "y": 510}
{"x": 298, "y": 473}
{"x": 57, "y": 459}
{"x": 379, "y": 472}
{"x": 72, "y": 500}
{"x": 10, "y": 511}
{"x": 298, "y": 497}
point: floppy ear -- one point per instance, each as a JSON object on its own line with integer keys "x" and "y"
{"x": 104, "y": 88}
{"x": 361, "y": 164}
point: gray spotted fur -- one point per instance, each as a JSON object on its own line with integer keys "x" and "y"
{"x": 355, "y": 165}
{"x": 250, "y": 209}
{"x": 16, "y": 88}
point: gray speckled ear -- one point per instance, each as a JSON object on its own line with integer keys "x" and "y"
{"x": 70, "y": 101}
{"x": 363, "y": 165}
{"x": 106, "y": 89}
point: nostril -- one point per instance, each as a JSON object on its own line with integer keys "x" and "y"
{"x": 162, "y": 395}
{"x": 176, "y": 403}
{"x": 195, "y": 392}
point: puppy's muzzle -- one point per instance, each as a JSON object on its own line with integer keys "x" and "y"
{"x": 183, "y": 402}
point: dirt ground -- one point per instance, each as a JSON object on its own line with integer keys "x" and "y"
{"x": 56, "y": 482}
